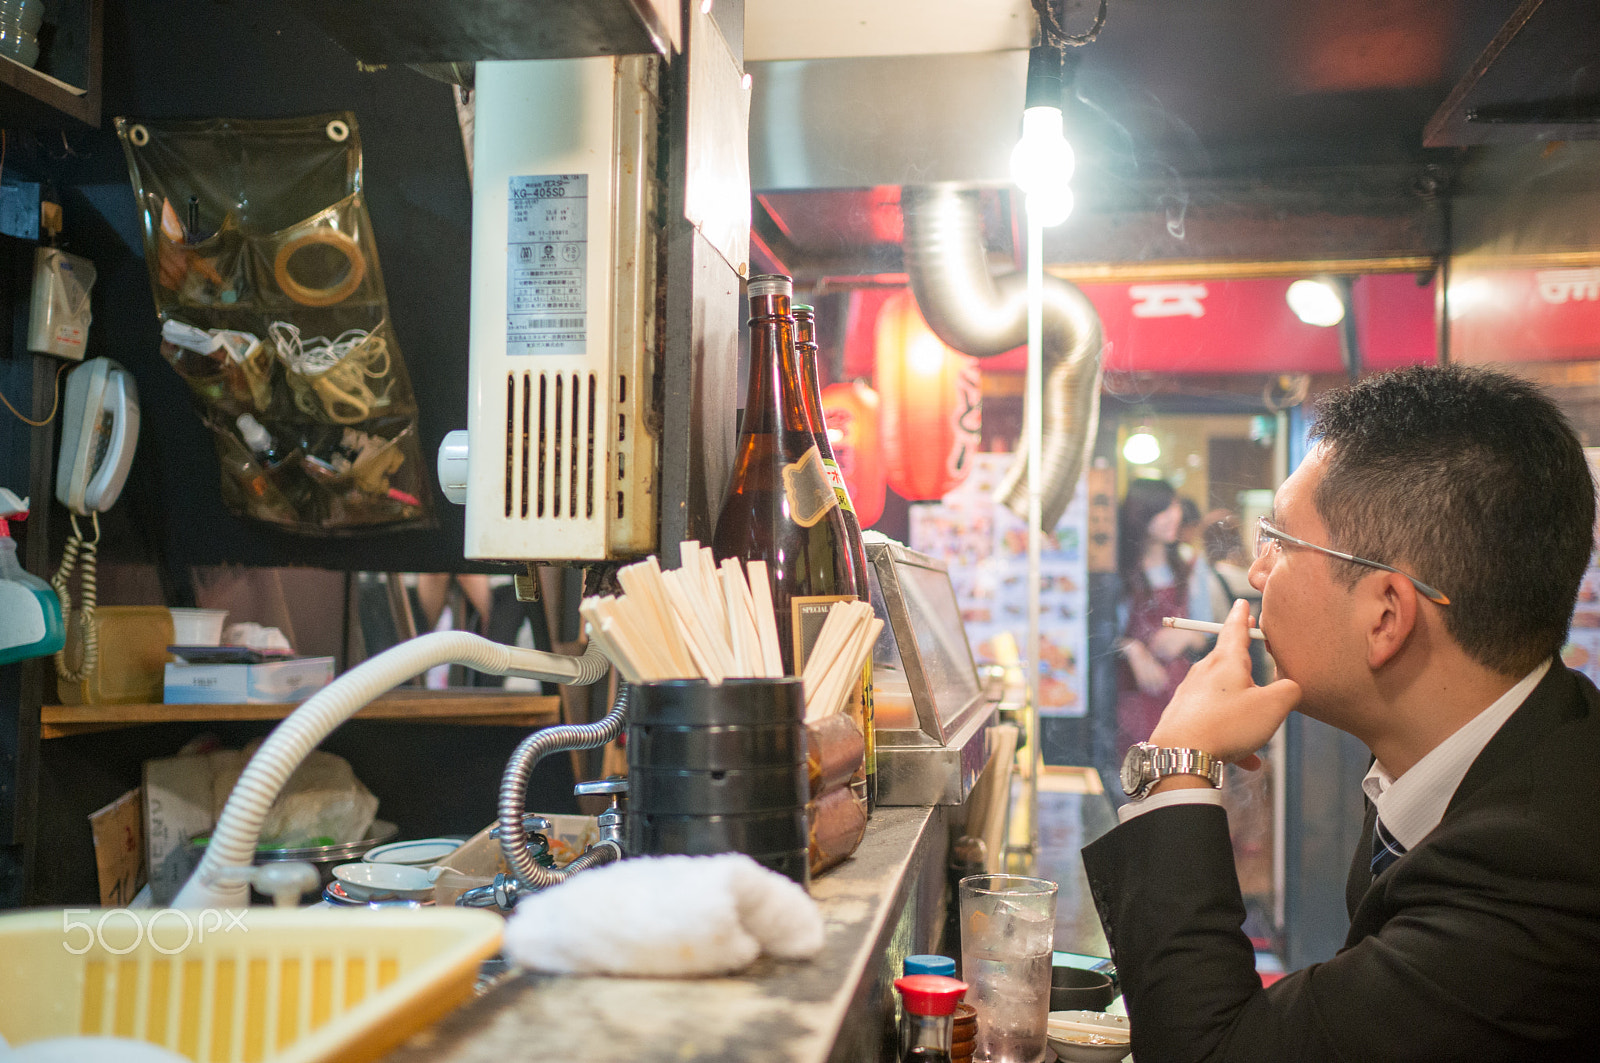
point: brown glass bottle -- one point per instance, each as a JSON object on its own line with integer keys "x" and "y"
{"x": 781, "y": 507}
{"x": 805, "y": 342}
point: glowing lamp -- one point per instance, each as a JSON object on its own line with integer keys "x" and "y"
{"x": 1141, "y": 448}
{"x": 931, "y": 401}
{"x": 1042, "y": 162}
{"x": 1315, "y": 303}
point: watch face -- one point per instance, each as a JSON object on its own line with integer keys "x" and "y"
{"x": 1133, "y": 768}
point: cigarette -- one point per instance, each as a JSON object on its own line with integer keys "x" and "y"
{"x": 1183, "y": 623}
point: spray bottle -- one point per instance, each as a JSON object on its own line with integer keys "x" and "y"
{"x": 30, "y": 612}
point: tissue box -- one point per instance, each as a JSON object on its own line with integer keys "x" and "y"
{"x": 293, "y": 680}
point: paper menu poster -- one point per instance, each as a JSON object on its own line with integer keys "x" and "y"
{"x": 986, "y": 547}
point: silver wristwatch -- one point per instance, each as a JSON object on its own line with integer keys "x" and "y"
{"x": 1145, "y": 764}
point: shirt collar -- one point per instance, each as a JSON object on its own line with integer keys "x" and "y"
{"x": 1413, "y": 804}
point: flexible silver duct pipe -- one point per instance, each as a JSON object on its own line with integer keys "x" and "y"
{"x": 983, "y": 315}
{"x": 514, "y": 793}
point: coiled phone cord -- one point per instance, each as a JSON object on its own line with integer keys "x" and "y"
{"x": 89, "y": 635}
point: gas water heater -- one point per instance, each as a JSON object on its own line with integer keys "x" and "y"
{"x": 559, "y": 460}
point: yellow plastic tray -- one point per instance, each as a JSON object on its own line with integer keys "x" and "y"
{"x": 286, "y": 985}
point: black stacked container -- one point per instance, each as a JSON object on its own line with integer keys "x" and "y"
{"x": 719, "y": 769}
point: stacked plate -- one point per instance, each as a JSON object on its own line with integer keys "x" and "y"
{"x": 718, "y": 769}
{"x": 1088, "y": 1036}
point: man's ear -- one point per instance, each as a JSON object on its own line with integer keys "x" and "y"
{"x": 1391, "y": 610}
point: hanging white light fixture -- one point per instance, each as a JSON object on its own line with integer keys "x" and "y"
{"x": 1042, "y": 162}
{"x": 1141, "y": 448}
{"x": 1315, "y": 302}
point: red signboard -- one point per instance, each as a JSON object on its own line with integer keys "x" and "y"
{"x": 1246, "y": 326}
{"x": 1530, "y": 315}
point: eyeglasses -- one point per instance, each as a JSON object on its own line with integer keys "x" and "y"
{"x": 1267, "y": 536}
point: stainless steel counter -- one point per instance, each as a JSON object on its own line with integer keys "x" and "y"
{"x": 884, "y": 903}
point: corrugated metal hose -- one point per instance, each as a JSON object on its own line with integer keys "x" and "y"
{"x": 984, "y": 315}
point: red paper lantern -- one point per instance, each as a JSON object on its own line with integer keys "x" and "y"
{"x": 932, "y": 401}
{"x": 851, "y": 411}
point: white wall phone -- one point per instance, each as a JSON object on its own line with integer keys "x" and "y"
{"x": 99, "y": 429}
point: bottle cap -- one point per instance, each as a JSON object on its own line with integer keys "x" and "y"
{"x": 255, "y": 437}
{"x": 770, "y": 284}
{"x": 930, "y": 964}
{"x": 930, "y": 994}
{"x": 804, "y": 308}
{"x": 11, "y": 508}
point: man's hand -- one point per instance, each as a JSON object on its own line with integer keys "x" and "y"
{"x": 1219, "y": 708}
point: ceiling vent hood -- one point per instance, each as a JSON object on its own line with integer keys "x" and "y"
{"x": 465, "y": 31}
{"x": 1539, "y": 79}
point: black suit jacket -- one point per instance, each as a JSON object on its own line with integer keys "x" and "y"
{"x": 1480, "y": 944}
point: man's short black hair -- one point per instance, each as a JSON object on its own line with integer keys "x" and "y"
{"x": 1472, "y": 481}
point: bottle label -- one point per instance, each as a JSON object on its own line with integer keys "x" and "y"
{"x": 869, "y": 719}
{"x": 547, "y": 264}
{"x": 836, "y": 478}
{"x": 807, "y": 614}
{"x": 806, "y": 486}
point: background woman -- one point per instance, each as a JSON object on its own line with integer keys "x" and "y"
{"x": 1152, "y": 659}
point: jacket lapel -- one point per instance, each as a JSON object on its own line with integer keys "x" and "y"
{"x": 1360, "y": 879}
{"x": 1560, "y": 696}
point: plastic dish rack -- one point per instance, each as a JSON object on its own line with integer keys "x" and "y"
{"x": 281, "y": 985}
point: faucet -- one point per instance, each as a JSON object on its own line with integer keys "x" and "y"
{"x": 611, "y": 819}
{"x": 505, "y": 890}
{"x": 518, "y": 832}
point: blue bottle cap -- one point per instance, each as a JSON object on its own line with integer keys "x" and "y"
{"x": 926, "y": 964}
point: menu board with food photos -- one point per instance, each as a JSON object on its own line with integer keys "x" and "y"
{"x": 986, "y": 548}
{"x": 1582, "y": 651}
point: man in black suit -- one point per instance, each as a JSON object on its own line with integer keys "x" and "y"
{"x": 1418, "y": 574}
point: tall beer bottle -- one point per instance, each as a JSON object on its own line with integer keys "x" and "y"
{"x": 805, "y": 341}
{"x": 781, "y": 507}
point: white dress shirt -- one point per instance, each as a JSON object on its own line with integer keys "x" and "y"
{"x": 1413, "y": 804}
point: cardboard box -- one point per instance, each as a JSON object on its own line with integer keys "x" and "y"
{"x": 293, "y": 680}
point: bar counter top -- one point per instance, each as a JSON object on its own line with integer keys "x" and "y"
{"x": 885, "y": 902}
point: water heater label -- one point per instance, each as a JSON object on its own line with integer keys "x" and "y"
{"x": 547, "y": 264}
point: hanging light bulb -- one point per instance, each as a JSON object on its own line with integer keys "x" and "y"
{"x": 1315, "y": 303}
{"x": 1141, "y": 448}
{"x": 1042, "y": 162}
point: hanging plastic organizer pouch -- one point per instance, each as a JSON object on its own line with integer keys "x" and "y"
{"x": 265, "y": 274}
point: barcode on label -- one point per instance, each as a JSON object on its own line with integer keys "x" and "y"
{"x": 552, "y": 322}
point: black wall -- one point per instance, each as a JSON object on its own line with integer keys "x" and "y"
{"x": 166, "y": 59}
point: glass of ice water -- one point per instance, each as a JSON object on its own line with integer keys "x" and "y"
{"x": 1008, "y": 927}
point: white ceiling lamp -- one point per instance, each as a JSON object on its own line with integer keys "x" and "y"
{"x": 1316, "y": 303}
{"x": 1141, "y": 448}
{"x": 1042, "y": 162}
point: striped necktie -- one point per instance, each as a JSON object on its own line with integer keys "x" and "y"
{"x": 1385, "y": 850}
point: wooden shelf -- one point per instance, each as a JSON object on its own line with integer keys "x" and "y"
{"x": 488, "y": 707}
{"x": 32, "y": 98}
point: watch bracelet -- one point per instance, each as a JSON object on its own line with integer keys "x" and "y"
{"x": 1167, "y": 761}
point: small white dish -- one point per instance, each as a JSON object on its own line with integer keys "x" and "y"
{"x": 1111, "y": 1043}
{"x": 370, "y": 882}
{"x": 419, "y": 853}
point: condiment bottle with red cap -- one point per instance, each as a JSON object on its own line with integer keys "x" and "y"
{"x": 927, "y": 1001}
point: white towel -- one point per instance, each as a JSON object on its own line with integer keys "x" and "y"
{"x": 665, "y": 917}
